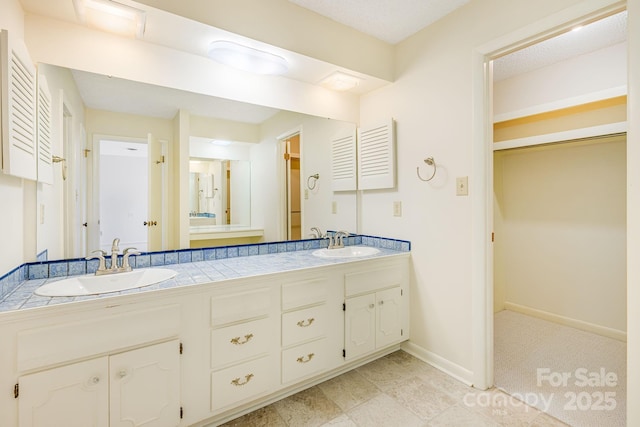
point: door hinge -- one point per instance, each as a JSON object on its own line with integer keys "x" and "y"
{"x": 181, "y": 348}
{"x": 344, "y": 353}
{"x": 401, "y": 292}
{"x": 344, "y": 306}
{"x": 181, "y": 412}
{"x": 16, "y": 391}
{"x": 287, "y": 156}
{"x": 160, "y": 161}
{"x": 493, "y": 236}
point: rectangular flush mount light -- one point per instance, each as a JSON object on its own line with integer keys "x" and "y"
{"x": 247, "y": 58}
{"x": 111, "y": 16}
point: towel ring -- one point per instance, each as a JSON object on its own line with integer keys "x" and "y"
{"x": 312, "y": 184}
{"x": 430, "y": 162}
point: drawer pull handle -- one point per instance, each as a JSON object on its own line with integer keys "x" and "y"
{"x": 237, "y": 382}
{"x": 302, "y": 359}
{"x": 236, "y": 340}
{"x": 305, "y": 323}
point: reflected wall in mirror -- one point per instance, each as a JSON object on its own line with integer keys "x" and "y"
{"x": 189, "y": 124}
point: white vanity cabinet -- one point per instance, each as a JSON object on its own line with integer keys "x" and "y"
{"x": 201, "y": 354}
{"x": 376, "y": 310}
{"x": 136, "y": 387}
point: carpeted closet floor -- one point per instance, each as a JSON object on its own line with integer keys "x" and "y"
{"x": 573, "y": 375}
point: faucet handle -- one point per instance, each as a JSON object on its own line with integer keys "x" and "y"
{"x": 125, "y": 257}
{"x": 100, "y": 256}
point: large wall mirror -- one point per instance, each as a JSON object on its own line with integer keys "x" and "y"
{"x": 215, "y": 166}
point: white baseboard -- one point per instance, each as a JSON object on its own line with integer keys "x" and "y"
{"x": 567, "y": 321}
{"x": 456, "y": 371}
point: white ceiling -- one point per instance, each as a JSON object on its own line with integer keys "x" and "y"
{"x": 389, "y": 20}
{"x": 589, "y": 38}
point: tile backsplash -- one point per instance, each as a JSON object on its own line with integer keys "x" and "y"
{"x": 43, "y": 269}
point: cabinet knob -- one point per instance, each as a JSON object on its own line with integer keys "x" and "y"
{"x": 372, "y": 305}
{"x": 236, "y": 382}
{"x": 237, "y": 340}
{"x": 95, "y": 380}
{"x": 308, "y": 358}
{"x": 122, "y": 373}
{"x": 305, "y": 323}
{"x": 381, "y": 302}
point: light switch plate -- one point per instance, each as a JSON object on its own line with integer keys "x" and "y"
{"x": 397, "y": 208}
{"x": 462, "y": 186}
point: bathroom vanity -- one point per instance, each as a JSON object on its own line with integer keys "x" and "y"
{"x": 205, "y": 352}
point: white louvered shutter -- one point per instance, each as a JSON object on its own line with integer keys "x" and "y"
{"x": 19, "y": 157}
{"x": 377, "y": 156}
{"x": 44, "y": 116}
{"x": 343, "y": 162}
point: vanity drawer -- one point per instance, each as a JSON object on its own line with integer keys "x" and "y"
{"x": 239, "y": 342}
{"x": 240, "y": 306}
{"x": 374, "y": 279}
{"x": 307, "y": 292}
{"x": 303, "y": 325}
{"x": 241, "y": 382}
{"x": 304, "y": 360}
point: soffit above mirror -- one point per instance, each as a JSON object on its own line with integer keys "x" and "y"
{"x": 194, "y": 37}
{"x": 102, "y": 92}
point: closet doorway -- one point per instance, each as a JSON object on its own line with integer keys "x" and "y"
{"x": 559, "y": 221}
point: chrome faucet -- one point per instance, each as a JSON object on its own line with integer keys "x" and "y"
{"x": 336, "y": 239}
{"x": 316, "y": 233}
{"x": 102, "y": 268}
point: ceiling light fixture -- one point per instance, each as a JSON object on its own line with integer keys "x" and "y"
{"x": 340, "y": 81}
{"x": 246, "y": 58}
{"x": 111, "y": 16}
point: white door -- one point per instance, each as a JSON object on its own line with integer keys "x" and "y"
{"x": 129, "y": 194}
{"x": 360, "y": 324}
{"x": 145, "y": 386}
{"x": 75, "y": 395}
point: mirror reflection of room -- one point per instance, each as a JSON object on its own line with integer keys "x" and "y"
{"x": 215, "y": 198}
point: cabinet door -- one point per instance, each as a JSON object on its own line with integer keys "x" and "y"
{"x": 360, "y": 324}
{"x": 75, "y": 395}
{"x": 388, "y": 317}
{"x": 145, "y": 386}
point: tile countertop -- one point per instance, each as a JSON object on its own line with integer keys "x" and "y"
{"x": 205, "y": 271}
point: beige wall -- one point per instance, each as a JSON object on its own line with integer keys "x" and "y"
{"x": 432, "y": 101}
{"x": 561, "y": 235}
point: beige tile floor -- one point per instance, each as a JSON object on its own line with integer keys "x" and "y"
{"x": 396, "y": 390}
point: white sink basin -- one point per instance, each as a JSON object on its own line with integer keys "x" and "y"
{"x": 93, "y": 285}
{"x": 346, "y": 252}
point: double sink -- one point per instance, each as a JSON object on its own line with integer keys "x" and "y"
{"x": 94, "y": 285}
